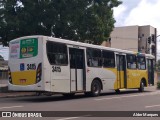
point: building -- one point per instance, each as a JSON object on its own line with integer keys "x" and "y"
{"x": 3, "y": 69}
{"x": 135, "y": 38}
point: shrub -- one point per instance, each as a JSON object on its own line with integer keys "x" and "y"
{"x": 158, "y": 84}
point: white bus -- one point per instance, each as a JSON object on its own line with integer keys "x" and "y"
{"x": 47, "y": 64}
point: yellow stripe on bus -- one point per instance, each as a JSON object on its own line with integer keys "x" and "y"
{"x": 24, "y": 77}
{"x": 114, "y": 70}
{"x": 134, "y": 78}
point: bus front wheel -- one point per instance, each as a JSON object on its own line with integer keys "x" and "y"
{"x": 141, "y": 89}
{"x": 95, "y": 88}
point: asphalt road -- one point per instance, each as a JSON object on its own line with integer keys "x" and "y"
{"x": 126, "y": 101}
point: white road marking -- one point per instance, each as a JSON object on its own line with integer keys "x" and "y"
{"x": 116, "y": 97}
{"x": 10, "y": 107}
{"x": 128, "y": 96}
{"x": 69, "y": 118}
{"x": 152, "y": 106}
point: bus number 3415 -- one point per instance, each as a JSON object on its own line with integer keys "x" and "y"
{"x": 56, "y": 69}
{"x": 31, "y": 66}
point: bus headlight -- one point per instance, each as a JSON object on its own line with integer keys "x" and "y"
{"x": 9, "y": 76}
{"x": 39, "y": 73}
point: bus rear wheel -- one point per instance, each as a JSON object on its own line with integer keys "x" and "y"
{"x": 68, "y": 94}
{"x": 39, "y": 94}
{"x": 141, "y": 89}
{"x": 95, "y": 88}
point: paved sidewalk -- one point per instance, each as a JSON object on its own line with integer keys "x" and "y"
{"x": 151, "y": 88}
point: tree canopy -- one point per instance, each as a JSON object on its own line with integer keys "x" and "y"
{"x": 158, "y": 66}
{"x": 77, "y": 20}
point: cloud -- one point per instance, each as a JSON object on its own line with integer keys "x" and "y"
{"x": 138, "y": 12}
{"x": 121, "y": 12}
{"x": 146, "y": 13}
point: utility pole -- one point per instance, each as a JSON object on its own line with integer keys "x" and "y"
{"x": 0, "y": 73}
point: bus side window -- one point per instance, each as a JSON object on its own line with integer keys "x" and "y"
{"x": 141, "y": 62}
{"x": 108, "y": 59}
{"x": 94, "y": 57}
{"x": 131, "y": 61}
{"x": 57, "y": 53}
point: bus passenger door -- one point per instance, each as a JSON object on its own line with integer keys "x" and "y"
{"x": 77, "y": 69}
{"x": 121, "y": 71}
{"x": 150, "y": 72}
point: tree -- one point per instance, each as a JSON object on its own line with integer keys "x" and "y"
{"x": 77, "y": 20}
{"x": 158, "y": 66}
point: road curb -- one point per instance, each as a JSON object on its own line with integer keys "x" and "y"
{"x": 17, "y": 95}
{"x": 12, "y": 96}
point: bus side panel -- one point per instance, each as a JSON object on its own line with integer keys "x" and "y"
{"x": 134, "y": 78}
{"x": 114, "y": 79}
{"x": 141, "y": 74}
{"x": 131, "y": 78}
{"x": 107, "y": 77}
{"x": 60, "y": 81}
{"x": 57, "y": 75}
{"x": 46, "y": 69}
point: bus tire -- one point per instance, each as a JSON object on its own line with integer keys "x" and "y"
{"x": 141, "y": 89}
{"x": 38, "y": 93}
{"x": 48, "y": 93}
{"x": 68, "y": 94}
{"x": 87, "y": 94}
{"x": 95, "y": 88}
{"x": 117, "y": 91}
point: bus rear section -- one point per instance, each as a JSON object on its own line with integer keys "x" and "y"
{"x": 25, "y": 64}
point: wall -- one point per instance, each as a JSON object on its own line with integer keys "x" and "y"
{"x": 125, "y": 38}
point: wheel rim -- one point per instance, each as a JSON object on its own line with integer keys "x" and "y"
{"x": 142, "y": 86}
{"x": 96, "y": 88}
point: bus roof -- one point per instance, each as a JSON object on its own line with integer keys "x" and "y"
{"x": 89, "y": 45}
{"x": 76, "y": 43}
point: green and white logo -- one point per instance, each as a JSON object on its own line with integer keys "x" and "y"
{"x": 28, "y": 48}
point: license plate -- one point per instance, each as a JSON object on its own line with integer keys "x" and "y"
{"x": 22, "y": 80}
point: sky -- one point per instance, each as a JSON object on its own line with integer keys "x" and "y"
{"x": 138, "y": 12}
{"x": 130, "y": 12}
